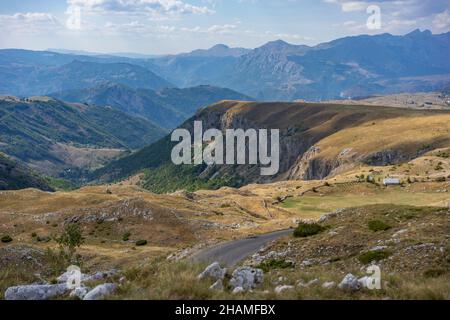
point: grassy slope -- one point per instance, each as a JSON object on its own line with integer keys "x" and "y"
{"x": 15, "y": 176}
{"x": 29, "y": 129}
{"x": 167, "y": 108}
{"x": 302, "y": 126}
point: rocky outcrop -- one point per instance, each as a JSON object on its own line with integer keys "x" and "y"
{"x": 101, "y": 291}
{"x": 36, "y": 292}
{"x": 213, "y": 271}
{"x": 247, "y": 278}
{"x": 350, "y": 283}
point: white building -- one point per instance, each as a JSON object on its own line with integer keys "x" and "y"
{"x": 391, "y": 182}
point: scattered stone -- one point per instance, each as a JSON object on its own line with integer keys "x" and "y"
{"x": 307, "y": 263}
{"x": 378, "y": 248}
{"x": 218, "y": 285}
{"x": 238, "y": 290}
{"x": 399, "y": 233}
{"x": 281, "y": 289}
{"x": 102, "y": 275}
{"x": 350, "y": 282}
{"x": 35, "y": 292}
{"x": 329, "y": 285}
{"x": 247, "y": 278}
{"x": 100, "y": 291}
{"x": 213, "y": 271}
{"x": 311, "y": 283}
{"x": 79, "y": 292}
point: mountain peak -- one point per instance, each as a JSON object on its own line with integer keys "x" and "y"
{"x": 219, "y": 46}
{"x": 417, "y": 32}
{"x": 277, "y": 44}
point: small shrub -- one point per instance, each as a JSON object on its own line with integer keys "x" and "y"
{"x": 441, "y": 179}
{"x": 434, "y": 273}
{"x": 370, "y": 256}
{"x": 43, "y": 239}
{"x": 6, "y": 239}
{"x": 69, "y": 241}
{"x": 307, "y": 229}
{"x": 378, "y": 225}
{"x": 141, "y": 243}
{"x": 126, "y": 236}
{"x": 275, "y": 264}
{"x": 34, "y": 235}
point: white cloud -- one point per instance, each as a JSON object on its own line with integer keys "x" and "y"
{"x": 29, "y": 23}
{"x": 442, "y": 20}
{"x": 156, "y": 9}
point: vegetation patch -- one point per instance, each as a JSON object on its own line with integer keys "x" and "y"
{"x": 378, "y": 225}
{"x": 6, "y": 239}
{"x": 307, "y": 229}
{"x": 376, "y": 255}
{"x": 126, "y": 236}
{"x": 434, "y": 273}
{"x": 275, "y": 264}
{"x": 170, "y": 178}
{"x": 141, "y": 243}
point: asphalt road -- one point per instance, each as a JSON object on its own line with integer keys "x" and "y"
{"x": 233, "y": 252}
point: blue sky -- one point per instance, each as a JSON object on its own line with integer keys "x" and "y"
{"x": 173, "y": 26}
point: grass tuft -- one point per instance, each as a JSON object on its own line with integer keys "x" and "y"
{"x": 307, "y": 229}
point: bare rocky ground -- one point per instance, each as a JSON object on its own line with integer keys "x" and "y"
{"x": 411, "y": 249}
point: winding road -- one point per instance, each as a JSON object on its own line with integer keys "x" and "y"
{"x": 232, "y": 252}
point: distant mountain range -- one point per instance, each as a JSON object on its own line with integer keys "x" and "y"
{"x": 167, "y": 108}
{"x": 344, "y": 68}
{"x": 348, "y": 67}
{"x": 43, "y": 130}
{"x": 26, "y": 80}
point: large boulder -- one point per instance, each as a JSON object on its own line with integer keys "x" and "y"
{"x": 213, "y": 271}
{"x": 100, "y": 291}
{"x": 282, "y": 288}
{"x": 350, "y": 283}
{"x": 247, "y": 278}
{"x": 79, "y": 292}
{"x": 36, "y": 292}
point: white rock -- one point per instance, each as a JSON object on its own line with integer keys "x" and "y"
{"x": 350, "y": 282}
{"x": 313, "y": 283}
{"x": 79, "y": 292}
{"x": 218, "y": 285}
{"x": 247, "y": 278}
{"x": 213, "y": 271}
{"x": 399, "y": 233}
{"x": 329, "y": 285}
{"x": 35, "y": 292}
{"x": 102, "y": 275}
{"x": 100, "y": 291}
{"x": 281, "y": 289}
{"x": 377, "y": 248}
{"x": 238, "y": 290}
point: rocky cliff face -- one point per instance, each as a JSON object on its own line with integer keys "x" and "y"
{"x": 316, "y": 140}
